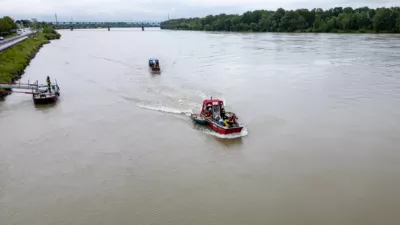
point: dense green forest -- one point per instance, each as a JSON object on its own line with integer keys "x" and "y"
{"x": 301, "y": 20}
{"x": 7, "y": 25}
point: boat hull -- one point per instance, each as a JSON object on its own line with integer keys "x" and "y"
{"x": 45, "y": 99}
{"x": 215, "y": 126}
{"x": 154, "y": 69}
{"x": 222, "y": 129}
{"x": 198, "y": 119}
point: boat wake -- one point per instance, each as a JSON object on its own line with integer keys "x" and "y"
{"x": 188, "y": 112}
{"x": 113, "y": 61}
{"x": 165, "y": 109}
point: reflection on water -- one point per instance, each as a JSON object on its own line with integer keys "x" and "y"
{"x": 155, "y": 73}
{"x": 230, "y": 142}
{"x": 320, "y": 144}
{"x": 46, "y": 107}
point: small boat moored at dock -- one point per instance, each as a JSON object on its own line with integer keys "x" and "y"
{"x": 154, "y": 64}
{"x": 41, "y": 93}
{"x": 213, "y": 115}
{"x": 45, "y": 96}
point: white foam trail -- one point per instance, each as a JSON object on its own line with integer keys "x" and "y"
{"x": 206, "y": 130}
{"x": 185, "y": 57}
{"x": 165, "y": 109}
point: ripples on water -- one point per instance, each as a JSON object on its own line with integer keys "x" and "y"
{"x": 321, "y": 145}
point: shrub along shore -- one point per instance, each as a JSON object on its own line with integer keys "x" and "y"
{"x": 14, "y": 60}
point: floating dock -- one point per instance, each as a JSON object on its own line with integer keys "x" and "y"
{"x": 41, "y": 93}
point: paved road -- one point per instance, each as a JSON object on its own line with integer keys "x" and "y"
{"x": 11, "y": 43}
{"x": 27, "y": 31}
{"x": 8, "y": 42}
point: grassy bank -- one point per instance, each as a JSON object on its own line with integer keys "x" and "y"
{"x": 50, "y": 33}
{"x": 14, "y": 60}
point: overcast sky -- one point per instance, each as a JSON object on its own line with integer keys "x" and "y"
{"x": 158, "y": 10}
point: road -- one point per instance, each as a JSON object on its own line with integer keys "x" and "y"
{"x": 8, "y": 42}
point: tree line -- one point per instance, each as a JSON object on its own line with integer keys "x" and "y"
{"x": 24, "y": 23}
{"x": 337, "y": 19}
{"x": 7, "y": 26}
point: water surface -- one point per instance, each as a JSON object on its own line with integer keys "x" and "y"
{"x": 321, "y": 145}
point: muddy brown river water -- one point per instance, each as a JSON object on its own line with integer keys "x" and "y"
{"x": 321, "y": 143}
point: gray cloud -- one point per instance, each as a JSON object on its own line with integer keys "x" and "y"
{"x": 139, "y": 10}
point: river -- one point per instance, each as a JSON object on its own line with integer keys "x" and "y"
{"x": 320, "y": 145}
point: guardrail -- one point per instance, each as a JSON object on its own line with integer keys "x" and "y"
{"x": 9, "y": 42}
{"x": 16, "y": 37}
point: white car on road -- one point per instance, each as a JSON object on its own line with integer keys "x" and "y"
{"x": 1, "y": 38}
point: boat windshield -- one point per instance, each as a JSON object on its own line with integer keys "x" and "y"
{"x": 216, "y": 112}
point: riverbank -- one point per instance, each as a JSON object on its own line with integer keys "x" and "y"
{"x": 335, "y": 20}
{"x": 14, "y": 60}
{"x": 363, "y": 31}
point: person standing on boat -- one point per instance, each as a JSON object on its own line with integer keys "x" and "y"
{"x": 48, "y": 83}
{"x": 223, "y": 116}
{"x": 233, "y": 119}
{"x": 207, "y": 110}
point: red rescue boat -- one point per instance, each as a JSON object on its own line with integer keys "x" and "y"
{"x": 213, "y": 115}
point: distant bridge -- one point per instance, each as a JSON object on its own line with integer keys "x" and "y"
{"x": 90, "y": 25}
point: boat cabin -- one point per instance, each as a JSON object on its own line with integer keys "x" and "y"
{"x": 154, "y": 63}
{"x": 212, "y": 108}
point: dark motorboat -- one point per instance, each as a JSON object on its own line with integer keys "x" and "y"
{"x": 45, "y": 96}
{"x": 41, "y": 93}
{"x": 154, "y": 64}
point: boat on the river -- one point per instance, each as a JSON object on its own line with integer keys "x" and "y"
{"x": 213, "y": 115}
{"x": 44, "y": 95}
{"x": 199, "y": 119}
{"x": 154, "y": 64}
{"x": 41, "y": 93}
